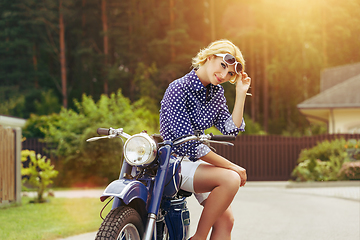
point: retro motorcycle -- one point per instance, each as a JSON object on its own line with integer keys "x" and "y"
{"x": 147, "y": 201}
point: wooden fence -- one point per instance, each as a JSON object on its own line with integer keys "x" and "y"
{"x": 271, "y": 158}
{"x": 7, "y": 165}
{"x": 36, "y": 145}
{"x": 266, "y": 158}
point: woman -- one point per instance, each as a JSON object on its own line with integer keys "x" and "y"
{"x": 196, "y": 102}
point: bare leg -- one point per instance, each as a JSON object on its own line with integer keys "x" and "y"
{"x": 223, "y": 184}
{"x": 223, "y": 226}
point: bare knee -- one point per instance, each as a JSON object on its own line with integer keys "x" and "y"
{"x": 225, "y": 223}
{"x": 231, "y": 180}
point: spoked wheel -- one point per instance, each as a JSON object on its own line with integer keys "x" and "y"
{"x": 122, "y": 223}
{"x": 129, "y": 231}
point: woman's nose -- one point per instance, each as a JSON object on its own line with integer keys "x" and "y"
{"x": 223, "y": 74}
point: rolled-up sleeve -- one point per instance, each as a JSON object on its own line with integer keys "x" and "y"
{"x": 224, "y": 121}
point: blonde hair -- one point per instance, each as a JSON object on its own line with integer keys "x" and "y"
{"x": 219, "y": 46}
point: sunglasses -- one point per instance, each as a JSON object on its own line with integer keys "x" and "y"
{"x": 231, "y": 60}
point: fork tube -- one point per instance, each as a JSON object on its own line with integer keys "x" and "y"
{"x": 157, "y": 191}
{"x": 126, "y": 168}
{"x": 150, "y": 226}
{"x": 164, "y": 157}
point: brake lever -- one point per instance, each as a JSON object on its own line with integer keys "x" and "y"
{"x": 221, "y": 142}
{"x": 97, "y": 138}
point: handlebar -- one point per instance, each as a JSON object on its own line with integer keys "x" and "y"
{"x": 222, "y": 137}
{"x": 103, "y": 131}
{"x": 208, "y": 138}
{"x": 109, "y": 133}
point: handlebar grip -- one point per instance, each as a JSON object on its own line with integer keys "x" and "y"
{"x": 103, "y": 131}
{"x": 223, "y": 137}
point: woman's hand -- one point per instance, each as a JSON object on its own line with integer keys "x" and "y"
{"x": 219, "y": 161}
{"x": 243, "y": 84}
{"x": 242, "y": 173}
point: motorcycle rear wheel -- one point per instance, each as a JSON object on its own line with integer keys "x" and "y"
{"x": 121, "y": 223}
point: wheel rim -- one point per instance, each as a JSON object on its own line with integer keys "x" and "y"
{"x": 166, "y": 233}
{"x": 129, "y": 232}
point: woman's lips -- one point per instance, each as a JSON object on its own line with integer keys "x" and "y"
{"x": 218, "y": 79}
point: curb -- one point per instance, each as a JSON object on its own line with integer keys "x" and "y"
{"x": 323, "y": 184}
{"x": 290, "y": 184}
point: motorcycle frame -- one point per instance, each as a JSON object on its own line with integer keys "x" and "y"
{"x": 146, "y": 198}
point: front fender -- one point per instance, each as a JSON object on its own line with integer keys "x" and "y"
{"x": 126, "y": 190}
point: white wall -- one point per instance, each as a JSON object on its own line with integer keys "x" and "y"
{"x": 345, "y": 120}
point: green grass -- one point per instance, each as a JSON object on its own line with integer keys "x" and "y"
{"x": 59, "y": 218}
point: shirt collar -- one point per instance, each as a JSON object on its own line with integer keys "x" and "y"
{"x": 198, "y": 86}
{"x": 195, "y": 81}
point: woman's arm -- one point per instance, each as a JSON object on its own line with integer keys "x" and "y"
{"x": 242, "y": 86}
{"x": 219, "y": 161}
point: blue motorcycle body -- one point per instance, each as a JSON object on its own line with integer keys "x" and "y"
{"x": 154, "y": 195}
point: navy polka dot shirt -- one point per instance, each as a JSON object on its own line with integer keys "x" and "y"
{"x": 186, "y": 107}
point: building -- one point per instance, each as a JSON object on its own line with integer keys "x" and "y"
{"x": 338, "y": 103}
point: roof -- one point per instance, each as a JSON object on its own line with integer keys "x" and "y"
{"x": 12, "y": 121}
{"x": 333, "y": 76}
{"x": 342, "y": 95}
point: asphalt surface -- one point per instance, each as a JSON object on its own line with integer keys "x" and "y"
{"x": 281, "y": 211}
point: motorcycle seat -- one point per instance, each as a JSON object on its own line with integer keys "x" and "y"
{"x": 183, "y": 193}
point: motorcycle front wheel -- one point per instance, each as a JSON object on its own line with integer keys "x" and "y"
{"x": 122, "y": 223}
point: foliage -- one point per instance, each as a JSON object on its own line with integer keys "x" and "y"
{"x": 97, "y": 162}
{"x": 353, "y": 149}
{"x": 312, "y": 130}
{"x": 42, "y": 102}
{"x": 39, "y": 172}
{"x": 141, "y": 36}
{"x": 326, "y": 161}
{"x": 60, "y": 218}
{"x": 350, "y": 171}
{"x": 251, "y": 127}
{"x": 317, "y": 170}
{"x": 324, "y": 150}
{"x": 13, "y": 106}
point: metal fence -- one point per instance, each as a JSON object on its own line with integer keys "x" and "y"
{"x": 266, "y": 158}
{"x": 272, "y": 158}
{"x": 7, "y": 164}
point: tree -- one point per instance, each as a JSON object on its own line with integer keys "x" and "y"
{"x": 106, "y": 48}
{"x": 62, "y": 54}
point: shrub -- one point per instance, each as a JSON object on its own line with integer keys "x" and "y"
{"x": 353, "y": 149}
{"x": 350, "y": 171}
{"x": 322, "y": 162}
{"x": 317, "y": 170}
{"x": 324, "y": 150}
{"x": 94, "y": 163}
{"x": 39, "y": 173}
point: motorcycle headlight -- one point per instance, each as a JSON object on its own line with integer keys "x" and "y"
{"x": 140, "y": 149}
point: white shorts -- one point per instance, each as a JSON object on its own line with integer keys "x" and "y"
{"x": 188, "y": 169}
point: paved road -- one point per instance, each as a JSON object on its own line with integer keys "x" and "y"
{"x": 276, "y": 212}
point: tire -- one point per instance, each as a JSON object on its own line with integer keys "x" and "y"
{"x": 162, "y": 231}
{"x": 121, "y": 223}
